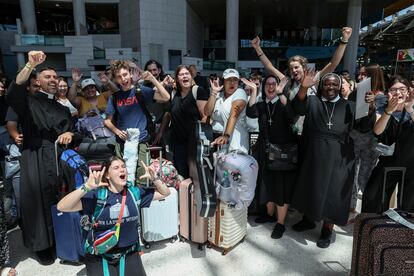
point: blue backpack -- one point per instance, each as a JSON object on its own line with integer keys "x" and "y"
{"x": 75, "y": 170}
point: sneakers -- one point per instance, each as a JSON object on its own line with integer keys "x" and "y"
{"x": 278, "y": 231}
{"x": 303, "y": 225}
{"x": 265, "y": 218}
{"x": 325, "y": 238}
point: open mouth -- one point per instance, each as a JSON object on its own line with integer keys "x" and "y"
{"x": 186, "y": 81}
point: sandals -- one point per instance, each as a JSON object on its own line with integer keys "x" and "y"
{"x": 8, "y": 271}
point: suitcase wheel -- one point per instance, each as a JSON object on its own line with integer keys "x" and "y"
{"x": 225, "y": 251}
{"x": 200, "y": 247}
{"x": 209, "y": 245}
{"x": 182, "y": 239}
{"x": 173, "y": 239}
{"x": 147, "y": 245}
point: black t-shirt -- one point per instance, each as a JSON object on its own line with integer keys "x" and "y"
{"x": 11, "y": 115}
{"x": 3, "y": 110}
{"x": 184, "y": 114}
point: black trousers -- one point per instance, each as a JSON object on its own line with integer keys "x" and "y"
{"x": 133, "y": 266}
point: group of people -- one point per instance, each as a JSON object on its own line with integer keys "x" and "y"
{"x": 314, "y": 156}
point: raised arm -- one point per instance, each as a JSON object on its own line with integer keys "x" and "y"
{"x": 264, "y": 60}
{"x": 106, "y": 81}
{"x": 214, "y": 90}
{"x": 161, "y": 94}
{"x": 382, "y": 121}
{"x": 76, "y": 77}
{"x": 339, "y": 53}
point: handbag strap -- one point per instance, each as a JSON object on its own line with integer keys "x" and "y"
{"x": 121, "y": 213}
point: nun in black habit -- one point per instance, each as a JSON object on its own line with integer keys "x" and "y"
{"x": 44, "y": 121}
{"x": 324, "y": 184}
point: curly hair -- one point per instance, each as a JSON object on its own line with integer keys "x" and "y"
{"x": 117, "y": 65}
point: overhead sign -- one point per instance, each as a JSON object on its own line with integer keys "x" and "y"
{"x": 316, "y": 52}
{"x": 405, "y": 55}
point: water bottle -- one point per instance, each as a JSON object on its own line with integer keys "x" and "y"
{"x": 225, "y": 182}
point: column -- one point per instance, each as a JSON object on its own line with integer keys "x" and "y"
{"x": 27, "y": 9}
{"x": 258, "y": 24}
{"x": 232, "y": 30}
{"x": 353, "y": 21}
{"x": 79, "y": 16}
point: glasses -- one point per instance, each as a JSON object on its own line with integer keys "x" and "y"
{"x": 399, "y": 89}
{"x": 270, "y": 84}
{"x": 184, "y": 74}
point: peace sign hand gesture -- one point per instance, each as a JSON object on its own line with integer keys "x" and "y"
{"x": 95, "y": 179}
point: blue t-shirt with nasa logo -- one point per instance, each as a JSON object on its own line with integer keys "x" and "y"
{"x": 129, "y": 112}
{"x": 109, "y": 216}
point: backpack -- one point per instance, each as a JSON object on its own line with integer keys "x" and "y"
{"x": 93, "y": 126}
{"x": 150, "y": 123}
{"x": 193, "y": 90}
{"x": 100, "y": 205}
{"x": 75, "y": 170}
{"x": 168, "y": 174}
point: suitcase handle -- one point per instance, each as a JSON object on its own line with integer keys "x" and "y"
{"x": 395, "y": 216}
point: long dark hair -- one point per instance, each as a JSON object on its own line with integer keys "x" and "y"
{"x": 159, "y": 66}
{"x": 177, "y": 70}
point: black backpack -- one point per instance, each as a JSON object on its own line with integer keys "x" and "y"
{"x": 150, "y": 123}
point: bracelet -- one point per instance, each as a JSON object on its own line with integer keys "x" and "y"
{"x": 342, "y": 42}
{"x": 226, "y": 135}
{"x": 85, "y": 188}
{"x": 409, "y": 113}
{"x": 260, "y": 55}
{"x": 27, "y": 65}
{"x": 386, "y": 112}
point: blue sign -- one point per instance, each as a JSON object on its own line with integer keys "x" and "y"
{"x": 316, "y": 52}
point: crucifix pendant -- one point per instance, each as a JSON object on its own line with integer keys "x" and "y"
{"x": 329, "y": 125}
{"x": 270, "y": 121}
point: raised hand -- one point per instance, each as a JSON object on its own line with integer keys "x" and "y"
{"x": 346, "y": 33}
{"x": 392, "y": 103}
{"x": 147, "y": 76}
{"x": 76, "y": 75}
{"x": 255, "y": 42}
{"x": 409, "y": 101}
{"x": 308, "y": 78}
{"x": 95, "y": 179}
{"x": 36, "y": 57}
{"x": 281, "y": 85}
{"x": 103, "y": 78}
{"x": 215, "y": 87}
{"x": 251, "y": 85}
{"x": 149, "y": 172}
{"x": 168, "y": 81}
{"x": 136, "y": 74}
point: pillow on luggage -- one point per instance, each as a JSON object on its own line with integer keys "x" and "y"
{"x": 169, "y": 174}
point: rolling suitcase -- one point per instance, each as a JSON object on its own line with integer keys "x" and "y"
{"x": 68, "y": 235}
{"x": 381, "y": 245}
{"x": 160, "y": 221}
{"x": 201, "y": 170}
{"x": 227, "y": 227}
{"x": 193, "y": 227}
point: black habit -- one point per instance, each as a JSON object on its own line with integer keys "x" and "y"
{"x": 324, "y": 185}
{"x": 42, "y": 120}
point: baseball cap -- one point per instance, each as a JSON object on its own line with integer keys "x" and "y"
{"x": 87, "y": 82}
{"x": 231, "y": 73}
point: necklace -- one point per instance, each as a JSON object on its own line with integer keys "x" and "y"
{"x": 270, "y": 114}
{"x": 329, "y": 124}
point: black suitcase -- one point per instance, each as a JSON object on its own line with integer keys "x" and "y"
{"x": 202, "y": 171}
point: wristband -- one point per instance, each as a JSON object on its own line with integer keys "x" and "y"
{"x": 342, "y": 42}
{"x": 27, "y": 65}
{"x": 386, "y": 112}
{"x": 85, "y": 188}
{"x": 226, "y": 135}
{"x": 409, "y": 113}
{"x": 260, "y": 55}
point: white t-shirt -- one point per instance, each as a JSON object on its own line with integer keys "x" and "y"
{"x": 67, "y": 103}
{"x": 239, "y": 140}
